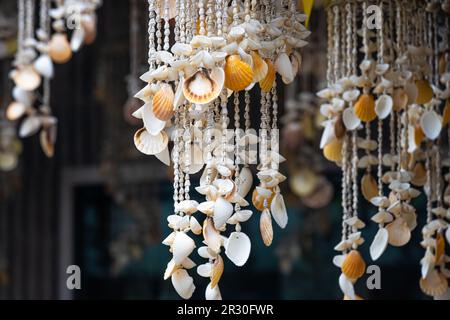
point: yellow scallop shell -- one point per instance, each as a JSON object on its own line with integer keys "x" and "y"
{"x": 267, "y": 83}
{"x": 424, "y": 92}
{"x": 260, "y": 67}
{"x": 333, "y": 151}
{"x": 365, "y": 108}
{"x": 420, "y": 175}
{"x": 163, "y": 103}
{"x": 353, "y": 266}
{"x": 369, "y": 187}
{"x": 238, "y": 74}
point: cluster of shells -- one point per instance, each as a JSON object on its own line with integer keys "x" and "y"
{"x": 232, "y": 48}
{"x": 35, "y": 59}
{"x": 400, "y": 86}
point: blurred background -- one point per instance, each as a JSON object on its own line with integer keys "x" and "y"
{"x": 100, "y": 204}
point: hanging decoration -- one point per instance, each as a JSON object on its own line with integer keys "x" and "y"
{"x": 37, "y": 52}
{"x": 397, "y": 87}
{"x": 222, "y": 50}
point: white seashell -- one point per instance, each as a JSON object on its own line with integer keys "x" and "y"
{"x": 381, "y": 68}
{"x": 355, "y": 222}
{"x": 383, "y": 106}
{"x": 195, "y": 226}
{"x": 328, "y": 134}
{"x": 326, "y": 93}
{"x": 206, "y": 253}
{"x": 15, "y": 111}
{"x": 379, "y": 244}
{"x": 151, "y": 123}
{"x": 278, "y": 210}
{"x": 431, "y": 124}
{"x": 245, "y": 182}
{"x": 338, "y": 260}
{"x": 224, "y": 171}
{"x": 427, "y": 263}
{"x": 204, "y": 270}
{"x": 242, "y": 216}
{"x": 22, "y": 96}
{"x": 182, "y": 247}
{"x": 224, "y": 186}
{"x": 77, "y": 39}
{"x": 284, "y": 67}
{"x": 170, "y": 269}
{"x": 145, "y": 93}
{"x": 347, "y": 287}
{"x": 447, "y": 235}
{"x": 30, "y": 126}
{"x": 343, "y": 245}
{"x": 183, "y": 283}
{"x": 164, "y": 156}
{"x": 238, "y": 248}
{"x": 182, "y": 49}
{"x": 206, "y": 207}
{"x": 212, "y": 236}
{"x": 382, "y": 217}
{"x": 382, "y": 202}
{"x": 187, "y": 206}
{"x": 351, "y": 95}
{"x": 27, "y": 78}
{"x": 188, "y": 264}
{"x": 183, "y": 223}
{"x": 164, "y": 57}
{"x": 212, "y": 294}
{"x": 168, "y": 241}
{"x": 222, "y": 212}
{"x": 44, "y": 66}
{"x": 399, "y": 232}
{"x": 351, "y": 121}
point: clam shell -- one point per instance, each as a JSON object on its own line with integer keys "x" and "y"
{"x": 30, "y": 126}
{"x": 424, "y": 92}
{"x": 353, "y": 266}
{"x": 383, "y": 106}
{"x": 203, "y": 87}
{"x": 149, "y": 144}
{"x": 222, "y": 212}
{"x": 163, "y": 103}
{"x": 399, "y": 232}
{"x": 431, "y": 124}
{"x": 216, "y": 271}
{"x": 333, "y": 151}
{"x": 170, "y": 269}
{"x": 26, "y": 78}
{"x": 365, "y": 108}
{"x": 195, "y": 226}
{"x": 245, "y": 182}
{"x": 153, "y": 125}
{"x": 379, "y": 244}
{"x": 15, "y": 111}
{"x": 351, "y": 95}
{"x": 346, "y": 286}
{"x": 284, "y": 67}
{"x": 182, "y": 247}
{"x": 238, "y": 74}
{"x": 164, "y": 156}
{"x": 204, "y": 270}
{"x": 182, "y": 49}
{"x": 206, "y": 207}
{"x": 211, "y": 235}
{"x": 183, "y": 283}
{"x": 187, "y": 206}
{"x": 435, "y": 284}
{"x": 265, "y": 227}
{"x": 328, "y": 134}
{"x": 212, "y": 294}
{"x": 267, "y": 83}
{"x": 238, "y": 248}
{"x": 260, "y": 67}
{"x": 279, "y": 212}
{"x": 259, "y": 200}
{"x": 44, "y": 66}
{"x": 369, "y": 187}
{"x": 59, "y": 48}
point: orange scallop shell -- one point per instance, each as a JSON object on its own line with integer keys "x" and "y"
{"x": 163, "y": 103}
{"x": 267, "y": 83}
{"x": 258, "y": 201}
{"x": 333, "y": 151}
{"x": 365, "y": 108}
{"x": 260, "y": 67}
{"x": 353, "y": 266}
{"x": 238, "y": 74}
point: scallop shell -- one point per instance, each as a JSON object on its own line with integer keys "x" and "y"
{"x": 383, "y": 106}
{"x": 238, "y": 248}
{"x": 365, "y": 108}
{"x": 399, "y": 232}
{"x": 379, "y": 244}
{"x": 59, "y": 48}
{"x": 15, "y": 111}
{"x": 216, "y": 271}
{"x": 260, "y": 67}
{"x": 369, "y": 187}
{"x": 424, "y": 92}
{"x": 265, "y": 227}
{"x": 26, "y": 78}
{"x": 400, "y": 99}
{"x": 259, "y": 201}
{"x": 238, "y": 74}
{"x": 431, "y": 124}
{"x": 148, "y": 144}
{"x": 440, "y": 248}
{"x": 267, "y": 83}
{"x": 152, "y": 124}
{"x": 182, "y": 247}
{"x": 420, "y": 175}
{"x": 183, "y": 283}
{"x": 203, "y": 87}
{"x": 353, "y": 266}
{"x": 435, "y": 284}
{"x": 279, "y": 212}
{"x": 333, "y": 151}
{"x": 163, "y": 103}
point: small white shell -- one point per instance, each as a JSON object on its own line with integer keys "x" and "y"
{"x": 182, "y": 247}
{"x": 278, "y": 210}
{"x": 30, "y": 126}
{"x": 431, "y": 124}
{"x": 204, "y": 270}
{"x": 351, "y": 121}
{"x": 212, "y": 294}
{"x": 183, "y": 283}
{"x": 347, "y": 287}
{"x": 351, "y": 95}
{"x": 383, "y": 106}
{"x": 222, "y": 212}
{"x": 284, "y": 67}
{"x": 238, "y": 248}
{"x": 245, "y": 182}
{"x": 44, "y": 66}
{"x": 195, "y": 226}
{"x": 153, "y": 125}
{"x": 379, "y": 244}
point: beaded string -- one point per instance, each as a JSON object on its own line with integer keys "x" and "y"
{"x": 166, "y": 26}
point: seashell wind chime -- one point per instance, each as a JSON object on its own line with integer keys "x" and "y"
{"x": 392, "y": 78}
{"x": 38, "y": 51}
{"x": 222, "y": 50}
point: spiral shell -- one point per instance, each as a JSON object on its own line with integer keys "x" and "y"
{"x": 365, "y": 108}
{"x": 267, "y": 83}
{"x": 265, "y": 227}
{"x": 353, "y": 266}
{"x": 163, "y": 103}
{"x": 238, "y": 74}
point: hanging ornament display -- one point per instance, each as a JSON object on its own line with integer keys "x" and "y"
{"x": 222, "y": 51}
{"x": 37, "y": 52}
{"x": 396, "y": 87}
